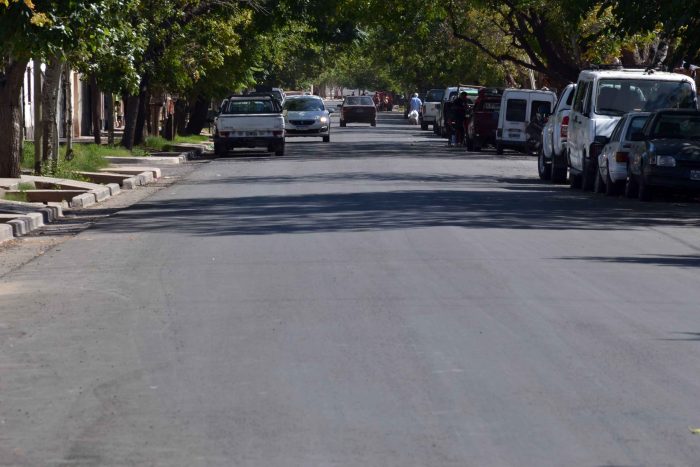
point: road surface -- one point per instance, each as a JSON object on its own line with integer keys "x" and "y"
{"x": 381, "y": 300}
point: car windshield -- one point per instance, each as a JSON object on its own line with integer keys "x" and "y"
{"x": 435, "y": 95}
{"x": 670, "y": 126}
{"x": 620, "y": 96}
{"x": 359, "y": 100}
{"x": 299, "y": 105}
{"x": 252, "y": 106}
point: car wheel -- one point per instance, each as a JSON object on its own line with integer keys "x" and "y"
{"x": 574, "y": 180}
{"x": 499, "y": 149}
{"x": 599, "y": 183}
{"x": 587, "y": 178}
{"x": 374, "y": 123}
{"x": 424, "y": 126}
{"x": 326, "y": 138}
{"x": 631, "y": 186}
{"x": 644, "y": 190}
{"x": 280, "y": 150}
{"x": 611, "y": 188}
{"x": 477, "y": 145}
{"x": 219, "y": 150}
{"x": 436, "y": 129}
{"x": 470, "y": 144}
{"x": 343, "y": 124}
{"x": 544, "y": 170}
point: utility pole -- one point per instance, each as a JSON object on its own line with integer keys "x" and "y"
{"x": 38, "y": 127}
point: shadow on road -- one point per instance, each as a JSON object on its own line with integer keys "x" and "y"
{"x": 338, "y": 212}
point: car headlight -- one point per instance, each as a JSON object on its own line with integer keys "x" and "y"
{"x": 323, "y": 119}
{"x": 665, "y": 161}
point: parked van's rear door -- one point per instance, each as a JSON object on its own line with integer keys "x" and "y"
{"x": 514, "y": 110}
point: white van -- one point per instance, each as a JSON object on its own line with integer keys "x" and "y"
{"x": 518, "y": 108}
{"x": 602, "y": 97}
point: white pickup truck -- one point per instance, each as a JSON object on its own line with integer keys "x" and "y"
{"x": 250, "y": 122}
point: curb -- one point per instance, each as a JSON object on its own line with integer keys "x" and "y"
{"x": 5, "y": 233}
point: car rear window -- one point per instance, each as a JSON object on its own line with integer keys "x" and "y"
{"x": 620, "y": 96}
{"x": 676, "y": 127}
{"x": 516, "y": 110}
{"x": 252, "y": 106}
{"x": 359, "y": 100}
{"x": 537, "y": 106}
{"x": 635, "y": 126}
{"x": 435, "y": 95}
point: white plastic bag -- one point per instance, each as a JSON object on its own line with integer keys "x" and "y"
{"x": 413, "y": 117}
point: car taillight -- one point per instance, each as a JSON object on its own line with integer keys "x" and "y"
{"x": 564, "y": 131}
{"x": 621, "y": 156}
{"x": 423, "y": 108}
{"x": 223, "y": 134}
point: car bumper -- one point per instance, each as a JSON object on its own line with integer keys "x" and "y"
{"x": 428, "y": 118}
{"x": 617, "y": 171}
{"x": 511, "y": 144}
{"x": 670, "y": 177}
{"x": 307, "y": 131}
{"x": 231, "y": 142}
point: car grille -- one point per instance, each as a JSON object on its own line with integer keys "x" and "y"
{"x": 302, "y": 122}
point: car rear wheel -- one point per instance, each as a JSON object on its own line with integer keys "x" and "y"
{"x": 543, "y": 169}
{"x": 219, "y": 149}
{"x": 280, "y": 150}
{"x": 644, "y": 190}
{"x": 374, "y": 123}
{"x": 631, "y": 186}
{"x": 424, "y": 126}
{"x": 326, "y": 138}
{"x": 599, "y": 184}
{"x": 611, "y": 188}
{"x": 574, "y": 180}
{"x": 587, "y": 178}
{"x": 343, "y": 124}
{"x": 499, "y": 149}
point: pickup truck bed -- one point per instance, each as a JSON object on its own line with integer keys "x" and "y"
{"x": 249, "y": 122}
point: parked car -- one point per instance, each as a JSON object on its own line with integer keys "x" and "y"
{"x": 603, "y": 96}
{"x": 666, "y": 153}
{"x": 449, "y": 95}
{"x": 358, "y": 109}
{"x": 551, "y": 161}
{"x": 307, "y": 116}
{"x": 483, "y": 119}
{"x": 519, "y": 107}
{"x": 249, "y": 122}
{"x": 431, "y": 108}
{"x": 613, "y": 159}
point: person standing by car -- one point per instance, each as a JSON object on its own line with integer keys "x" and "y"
{"x": 459, "y": 110}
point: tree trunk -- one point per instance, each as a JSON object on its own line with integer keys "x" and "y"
{"x": 130, "y": 113}
{"x": 109, "y": 121}
{"x": 11, "y": 78}
{"x": 68, "y": 115}
{"x": 38, "y": 133}
{"x": 198, "y": 116}
{"x": 142, "y": 113}
{"x": 96, "y": 110}
{"x": 181, "y": 117}
{"x": 49, "y": 116}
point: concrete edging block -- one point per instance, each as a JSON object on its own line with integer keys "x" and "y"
{"x": 113, "y": 189}
{"x": 130, "y": 183}
{"x": 6, "y": 232}
{"x": 101, "y": 193}
{"x": 83, "y": 201}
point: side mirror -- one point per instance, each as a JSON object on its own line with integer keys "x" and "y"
{"x": 602, "y": 140}
{"x": 637, "y": 136}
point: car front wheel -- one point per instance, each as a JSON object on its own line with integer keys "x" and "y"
{"x": 544, "y": 170}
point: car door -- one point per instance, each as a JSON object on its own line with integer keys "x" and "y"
{"x": 515, "y": 117}
{"x": 578, "y": 124}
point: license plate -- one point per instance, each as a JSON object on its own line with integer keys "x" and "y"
{"x": 695, "y": 174}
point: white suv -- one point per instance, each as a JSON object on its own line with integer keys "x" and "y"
{"x": 603, "y": 97}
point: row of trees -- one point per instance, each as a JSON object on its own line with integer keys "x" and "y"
{"x": 202, "y": 49}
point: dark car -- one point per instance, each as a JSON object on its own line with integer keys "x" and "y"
{"x": 483, "y": 119}
{"x": 358, "y": 109}
{"x": 666, "y": 153}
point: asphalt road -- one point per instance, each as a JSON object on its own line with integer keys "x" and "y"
{"x": 381, "y": 300}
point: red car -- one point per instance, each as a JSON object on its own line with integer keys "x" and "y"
{"x": 483, "y": 120}
{"x": 358, "y": 109}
